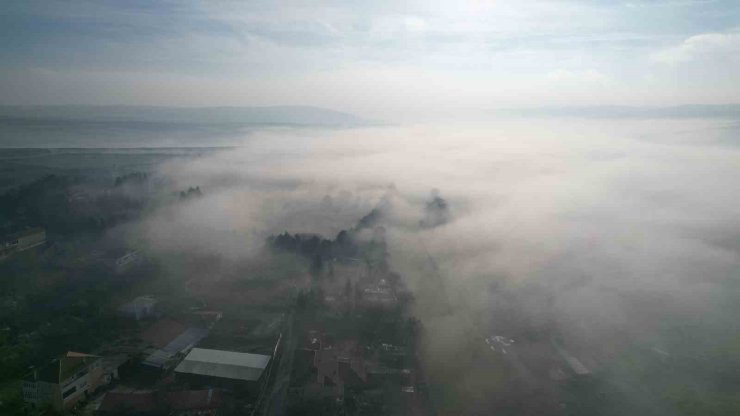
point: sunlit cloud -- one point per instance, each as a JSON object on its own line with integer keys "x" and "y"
{"x": 702, "y": 47}
{"x": 448, "y": 56}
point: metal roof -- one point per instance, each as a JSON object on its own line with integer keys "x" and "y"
{"x": 224, "y": 364}
{"x": 187, "y": 339}
{"x": 158, "y": 358}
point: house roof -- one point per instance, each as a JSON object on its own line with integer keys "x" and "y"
{"x": 194, "y": 399}
{"x": 139, "y": 402}
{"x": 163, "y": 332}
{"x": 224, "y": 364}
{"x": 187, "y": 339}
{"x": 113, "y": 362}
{"x": 73, "y": 362}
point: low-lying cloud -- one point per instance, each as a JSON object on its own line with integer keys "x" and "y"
{"x": 608, "y": 231}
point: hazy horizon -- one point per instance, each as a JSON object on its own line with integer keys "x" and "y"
{"x": 382, "y": 60}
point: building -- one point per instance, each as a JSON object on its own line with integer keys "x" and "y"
{"x": 139, "y": 308}
{"x": 575, "y": 365}
{"x": 23, "y": 240}
{"x": 166, "y": 356}
{"x": 379, "y": 294}
{"x": 168, "y": 339}
{"x": 65, "y": 381}
{"x": 225, "y": 369}
{"x": 329, "y": 367}
{"x": 335, "y": 369}
{"x": 114, "y": 365}
{"x": 128, "y": 260}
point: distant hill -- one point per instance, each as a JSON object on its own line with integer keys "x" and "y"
{"x": 235, "y": 116}
{"x": 144, "y": 126}
{"x": 731, "y": 111}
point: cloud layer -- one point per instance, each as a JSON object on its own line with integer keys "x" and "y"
{"x": 605, "y": 232}
{"x": 707, "y": 47}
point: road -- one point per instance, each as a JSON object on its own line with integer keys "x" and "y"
{"x": 274, "y": 400}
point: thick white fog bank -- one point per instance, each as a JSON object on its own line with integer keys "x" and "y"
{"x": 616, "y": 226}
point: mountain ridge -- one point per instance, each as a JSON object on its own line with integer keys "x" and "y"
{"x": 206, "y": 115}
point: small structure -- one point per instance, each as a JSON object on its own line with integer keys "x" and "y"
{"x": 22, "y": 240}
{"x": 65, "y": 381}
{"x": 128, "y": 260}
{"x": 573, "y": 362}
{"x": 139, "y": 308}
{"x": 77, "y": 195}
{"x": 228, "y": 369}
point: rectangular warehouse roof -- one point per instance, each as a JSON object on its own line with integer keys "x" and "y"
{"x": 224, "y": 364}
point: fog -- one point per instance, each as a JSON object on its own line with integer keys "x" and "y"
{"x": 614, "y": 233}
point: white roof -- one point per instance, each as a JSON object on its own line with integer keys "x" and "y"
{"x": 224, "y": 364}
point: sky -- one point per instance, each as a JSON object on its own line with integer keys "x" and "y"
{"x": 380, "y": 59}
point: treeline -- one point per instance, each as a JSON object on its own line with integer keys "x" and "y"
{"x": 191, "y": 192}
{"x": 436, "y": 211}
{"x": 313, "y": 245}
{"x": 134, "y": 177}
{"x": 67, "y": 205}
{"x": 42, "y": 202}
{"x": 345, "y": 244}
{"x": 46, "y": 310}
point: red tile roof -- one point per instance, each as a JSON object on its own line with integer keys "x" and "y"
{"x": 194, "y": 399}
{"x": 152, "y": 401}
{"x": 163, "y": 332}
{"x": 139, "y": 402}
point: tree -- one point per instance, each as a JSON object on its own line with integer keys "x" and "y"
{"x": 317, "y": 265}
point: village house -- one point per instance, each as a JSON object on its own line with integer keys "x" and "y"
{"x": 333, "y": 365}
{"x": 64, "y": 382}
